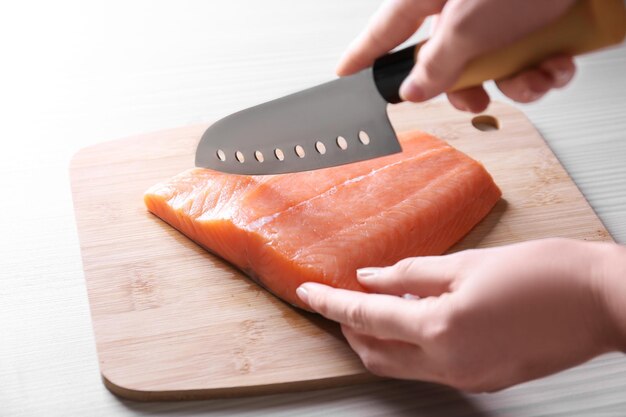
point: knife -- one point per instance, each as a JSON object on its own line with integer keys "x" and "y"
{"x": 345, "y": 120}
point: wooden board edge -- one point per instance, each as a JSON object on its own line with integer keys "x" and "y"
{"x": 238, "y": 391}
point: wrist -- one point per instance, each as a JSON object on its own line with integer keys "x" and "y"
{"x": 610, "y": 277}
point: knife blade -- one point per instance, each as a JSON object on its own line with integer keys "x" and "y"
{"x": 303, "y": 131}
{"x": 345, "y": 120}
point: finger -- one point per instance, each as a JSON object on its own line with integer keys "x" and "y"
{"x": 388, "y": 358}
{"x": 383, "y": 316}
{"x": 561, "y": 68}
{"x": 527, "y": 86}
{"x": 532, "y": 84}
{"x": 393, "y": 23}
{"x": 473, "y": 99}
{"x": 422, "y": 276}
{"x": 469, "y": 29}
{"x": 436, "y": 70}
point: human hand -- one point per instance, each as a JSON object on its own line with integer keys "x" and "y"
{"x": 486, "y": 319}
{"x": 463, "y": 30}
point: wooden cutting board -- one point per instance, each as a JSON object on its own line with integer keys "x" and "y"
{"x": 172, "y": 321}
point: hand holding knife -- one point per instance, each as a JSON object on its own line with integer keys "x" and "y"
{"x": 326, "y": 125}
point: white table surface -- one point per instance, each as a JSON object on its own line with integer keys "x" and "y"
{"x": 76, "y": 73}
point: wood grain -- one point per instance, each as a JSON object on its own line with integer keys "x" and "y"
{"x": 174, "y": 322}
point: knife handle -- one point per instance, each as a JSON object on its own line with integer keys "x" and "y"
{"x": 589, "y": 25}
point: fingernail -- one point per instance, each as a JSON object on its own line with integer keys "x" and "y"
{"x": 303, "y": 293}
{"x": 410, "y": 297}
{"x": 561, "y": 75}
{"x": 410, "y": 91}
{"x": 529, "y": 95}
{"x": 461, "y": 107}
{"x": 368, "y": 274}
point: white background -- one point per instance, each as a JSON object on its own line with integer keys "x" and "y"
{"x": 75, "y": 73}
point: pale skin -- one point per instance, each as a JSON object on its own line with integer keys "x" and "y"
{"x": 463, "y": 29}
{"x": 485, "y": 319}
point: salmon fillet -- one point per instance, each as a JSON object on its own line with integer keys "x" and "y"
{"x": 284, "y": 230}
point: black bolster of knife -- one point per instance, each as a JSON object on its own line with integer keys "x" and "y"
{"x": 390, "y": 70}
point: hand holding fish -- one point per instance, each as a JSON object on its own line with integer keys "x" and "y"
{"x": 462, "y": 30}
{"x": 484, "y": 319}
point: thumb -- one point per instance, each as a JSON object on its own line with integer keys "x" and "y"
{"x": 437, "y": 68}
{"x": 423, "y": 276}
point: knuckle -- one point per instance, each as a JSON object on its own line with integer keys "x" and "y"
{"x": 460, "y": 28}
{"x": 464, "y": 32}
{"x": 318, "y": 302}
{"x": 442, "y": 331}
{"x": 464, "y": 24}
{"x": 439, "y": 334}
{"x": 374, "y": 36}
{"x": 403, "y": 267}
{"x": 355, "y": 316}
{"x": 431, "y": 67}
{"x": 435, "y": 332}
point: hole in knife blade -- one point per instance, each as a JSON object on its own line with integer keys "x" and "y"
{"x": 299, "y": 151}
{"x": 279, "y": 154}
{"x": 364, "y": 138}
{"x": 239, "y": 156}
{"x": 320, "y": 147}
{"x": 221, "y": 155}
{"x": 258, "y": 155}
{"x": 342, "y": 142}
